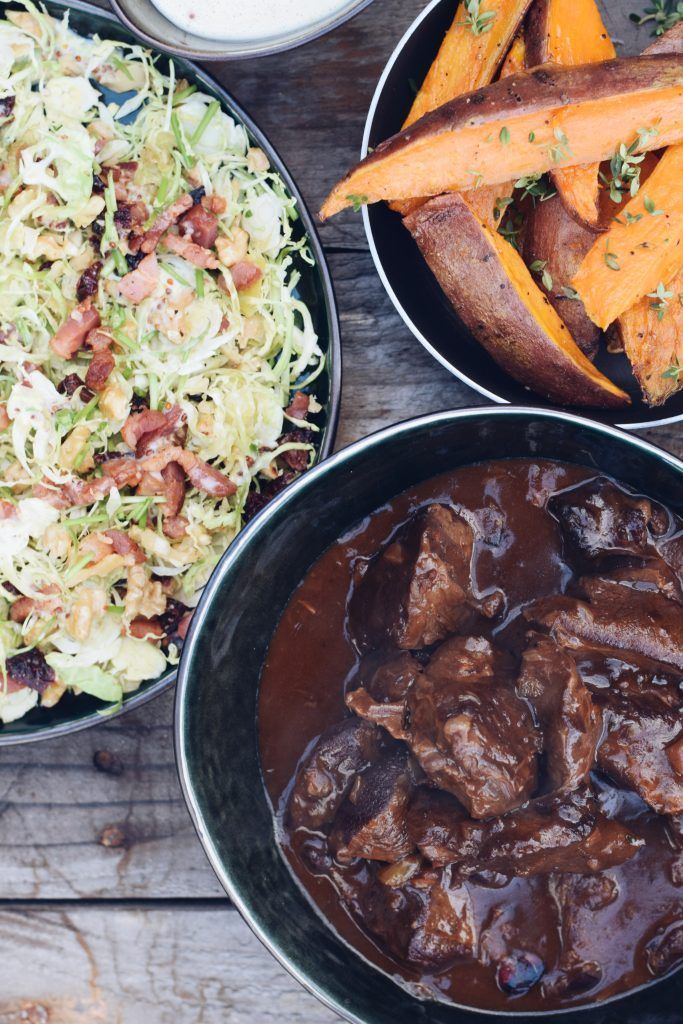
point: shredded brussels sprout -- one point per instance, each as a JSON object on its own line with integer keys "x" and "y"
{"x": 150, "y": 341}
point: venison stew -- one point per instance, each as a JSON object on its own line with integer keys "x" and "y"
{"x": 470, "y": 730}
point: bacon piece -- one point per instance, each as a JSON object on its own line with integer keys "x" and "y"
{"x": 150, "y": 239}
{"x": 21, "y": 609}
{"x": 145, "y": 629}
{"x": 130, "y": 471}
{"x": 194, "y": 254}
{"x": 200, "y": 225}
{"x": 73, "y": 332}
{"x": 141, "y": 282}
{"x": 122, "y": 175}
{"x": 175, "y": 527}
{"x": 245, "y": 274}
{"x": 101, "y": 365}
{"x": 23, "y": 606}
{"x": 4, "y": 418}
{"x": 143, "y": 431}
{"x": 173, "y": 490}
{"x": 125, "y": 545}
{"x": 73, "y": 493}
{"x": 298, "y": 407}
{"x": 7, "y": 509}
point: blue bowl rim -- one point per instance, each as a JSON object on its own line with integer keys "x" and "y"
{"x": 140, "y": 697}
{"x": 240, "y": 548}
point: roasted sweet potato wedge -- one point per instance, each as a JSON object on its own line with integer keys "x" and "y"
{"x": 670, "y": 41}
{"x": 495, "y": 296}
{"x": 554, "y": 238}
{"x": 570, "y": 32}
{"x": 529, "y": 123}
{"x": 651, "y": 333}
{"x": 642, "y": 249}
{"x": 467, "y": 59}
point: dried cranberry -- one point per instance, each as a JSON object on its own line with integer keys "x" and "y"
{"x": 7, "y": 106}
{"x": 198, "y": 194}
{"x": 297, "y": 458}
{"x": 88, "y": 281}
{"x": 138, "y": 403}
{"x": 70, "y": 385}
{"x": 133, "y": 259}
{"x": 10, "y": 588}
{"x": 122, "y": 218}
{"x": 31, "y": 669}
{"x": 170, "y": 619}
{"x": 258, "y": 499}
{"x": 97, "y": 185}
{"x": 519, "y": 972}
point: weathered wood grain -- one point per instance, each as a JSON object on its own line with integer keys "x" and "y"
{"x": 175, "y": 964}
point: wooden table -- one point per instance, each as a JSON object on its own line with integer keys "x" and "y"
{"x": 109, "y": 910}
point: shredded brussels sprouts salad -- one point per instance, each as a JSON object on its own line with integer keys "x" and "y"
{"x": 150, "y": 343}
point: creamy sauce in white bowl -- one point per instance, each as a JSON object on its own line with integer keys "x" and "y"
{"x": 248, "y": 20}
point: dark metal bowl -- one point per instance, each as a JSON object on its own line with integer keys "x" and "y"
{"x": 217, "y": 696}
{"x": 315, "y": 288}
{"x": 410, "y": 284}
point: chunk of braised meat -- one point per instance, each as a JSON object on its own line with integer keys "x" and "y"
{"x": 674, "y": 830}
{"x": 614, "y": 616}
{"x": 329, "y": 771}
{"x": 428, "y": 922}
{"x": 474, "y": 738}
{"x": 420, "y": 587}
{"x": 579, "y": 898}
{"x": 372, "y": 821}
{"x": 654, "y": 577}
{"x": 599, "y": 519}
{"x": 664, "y": 951}
{"x": 643, "y": 749}
{"x": 384, "y": 684}
{"x": 570, "y": 722}
{"x": 29, "y": 669}
{"x": 559, "y": 832}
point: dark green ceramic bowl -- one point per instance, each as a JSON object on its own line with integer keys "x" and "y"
{"x": 216, "y": 699}
{"x": 315, "y": 288}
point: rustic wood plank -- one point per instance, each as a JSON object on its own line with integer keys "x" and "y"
{"x": 70, "y": 964}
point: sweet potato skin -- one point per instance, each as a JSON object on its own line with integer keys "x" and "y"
{"x": 570, "y": 32}
{"x": 635, "y": 255}
{"x": 466, "y": 61}
{"x": 653, "y": 345}
{"x": 670, "y": 42}
{"x": 555, "y": 237}
{"x": 465, "y": 258}
{"x": 459, "y": 143}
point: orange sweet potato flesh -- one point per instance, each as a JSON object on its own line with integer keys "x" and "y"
{"x": 513, "y": 127}
{"x": 482, "y": 199}
{"x": 570, "y": 32}
{"x": 634, "y": 256}
{"x": 494, "y": 294}
{"x": 467, "y": 61}
{"x": 653, "y": 345}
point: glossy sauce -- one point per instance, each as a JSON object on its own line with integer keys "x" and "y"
{"x": 231, "y": 21}
{"x": 311, "y": 661}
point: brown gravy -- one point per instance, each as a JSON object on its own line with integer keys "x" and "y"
{"x": 311, "y": 660}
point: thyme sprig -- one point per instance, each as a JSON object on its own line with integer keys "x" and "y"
{"x": 662, "y": 296}
{"x": 476, "y": 20}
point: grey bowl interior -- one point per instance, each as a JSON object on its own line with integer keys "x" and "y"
{"x": 143, "y": 18}
{"x": 315, "y": 288}
{"x": 216, "y": 702}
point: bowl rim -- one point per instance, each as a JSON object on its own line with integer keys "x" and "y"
{"x": 237, "y": 550}
{"x": 379, "y": 266}
{"x": 120, "y": 7}
{"x": 334, "y": 359}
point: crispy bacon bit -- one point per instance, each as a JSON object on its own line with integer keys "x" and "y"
{"x": 122, "y": 175}
{"x": 164, "y": 221}
{"x": 7, "y": 509}
{"x": 21, "y": 609}
{"x": 298, "y": 407}
{"x": 7, "y": 106}
{"x": 194, "y": 254}
{"x": 88, "y": 281}
{"x": 200, "y": 226}
{"x": 297, "y": 458}
{"x": 99, "y": 371}
{"x": 245, "y": 274}
{"x": 4, "y": 418}
{"x": 173, "y": 489}
{"x": 175, "y": 527}
{"x": 143, "y": 430}
{"x": 145, "y": 629}
{"x": 130, "y": 471}
{"x": 140, "y": 282}
{"x": 73, "y": 332}
{"x": 70, "y": 384}
{"x": 74, "y": 493}
{"x": 125, "y": 545}
{"x": 214, "y": 204}
{"x": 30, "y": 669}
